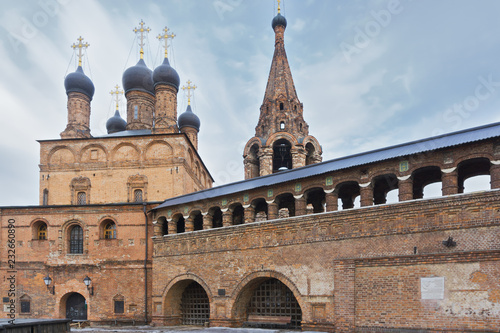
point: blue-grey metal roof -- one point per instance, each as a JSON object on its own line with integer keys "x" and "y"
{"x": 127, "y": 133}
{"x": 405, "y": 149}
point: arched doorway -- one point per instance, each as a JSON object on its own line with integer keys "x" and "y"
{"x": 272, "y": 298}
{"x": 76, "y": 307}
{"x": 195, "y": 305}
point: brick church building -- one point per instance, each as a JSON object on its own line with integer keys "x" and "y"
{"x": 129, "y": 228}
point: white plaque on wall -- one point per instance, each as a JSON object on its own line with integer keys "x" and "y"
{"x": 432, "y": 288}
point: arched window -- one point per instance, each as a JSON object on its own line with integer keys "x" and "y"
{"x": 42, "y": 231}
{"x": 81, "y": 198}
{"x": 137, "y": 195}
{"x": 76, "y": 240}
{"x": 110, "y": 230}
{"x": 180, "y": 224}
{"x": 216, "y": 213}
{"x": 311, "y": 152}
{"x": 282, "y": 107}
{"x": 119, "y": 304}
{"x": 238, "y": 215}
{"x": 282, "y": 125}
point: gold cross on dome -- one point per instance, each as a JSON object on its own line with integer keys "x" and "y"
{"x": 279, "y": 9}
{"x": 141, "y": 31}
{"x": 166, "y": 36}
{"x": 116, "y": 92}
{"x": 80, "y": 46}
{"x": 189, "y": 87}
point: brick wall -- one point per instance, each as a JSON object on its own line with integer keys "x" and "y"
{"x": 347, "y": 269}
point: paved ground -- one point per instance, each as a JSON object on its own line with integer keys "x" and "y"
{"x": 183, "y": 329}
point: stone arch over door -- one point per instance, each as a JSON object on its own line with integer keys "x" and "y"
{"x": 73, "y": 305}
{"x": 175, "y": 293}
{"x": 243, "y": 293}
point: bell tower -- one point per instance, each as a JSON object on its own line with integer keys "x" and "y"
{"x": 282, "y": 139}
{"x": 139, "y": 91}
{"x": 166, "y": 84}
{"x": 80, "y": 91}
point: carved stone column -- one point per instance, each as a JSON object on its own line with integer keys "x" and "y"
{"x": 405, "y": 187}
{"x": 249, "y": 214}
{"x": 172, "y": 227}
{"x": 227, "y": 218}
{"x": 298, "y": 157}
{"x": 272, "y": 210}
{"x": 251, "y": 167}
{"x": 495, "y": 174}
{"x": 449, "y": 178}
{"x": 207, "y": 221}
{"x": 300, "y": 206}
{"x": 332, "y": 201}
{"x": 157, "y": 229}
{"x": 366, "y": 193}
{"x": 266, "y": 161}
{"x": 189, "y": 224}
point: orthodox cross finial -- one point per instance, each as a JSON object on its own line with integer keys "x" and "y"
{"x": 279, "y": 8}
{"x": 141, "y": 32}
{"x": 189, "y": 87}
{"x": 166, "y": 36}
{"x": 116, "y": 92}
{"x": 80, "y": 46}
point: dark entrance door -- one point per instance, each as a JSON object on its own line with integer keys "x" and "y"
{"x": 195, "y": 305}
{"x": 274, "y": 299}
{"x": 76, "y": 307}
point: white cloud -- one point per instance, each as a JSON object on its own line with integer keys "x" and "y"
{"x": 395, "y": 90}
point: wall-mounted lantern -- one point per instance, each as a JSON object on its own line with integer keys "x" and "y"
{"x": 48, "y": 281}
{"x": 88, "y": 283}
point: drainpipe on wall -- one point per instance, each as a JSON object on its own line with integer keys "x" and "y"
{"x": 145, "y": 265}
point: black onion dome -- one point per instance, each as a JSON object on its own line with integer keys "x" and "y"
{"x": 189, "y": 119}
{"x": 279, "y": 20}
{"x": 138, "y": 77}
{"x": 79, "y": 82}
{"x": 116, "y": 123}
{"x": 165, "y": 74}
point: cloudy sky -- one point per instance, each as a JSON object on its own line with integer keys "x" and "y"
{"x": 370, "y": 73}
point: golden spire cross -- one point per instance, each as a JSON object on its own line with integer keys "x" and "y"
{"x": 141, "y": 31}
{"x": 279, "y": 8}
{"x": 80, "y": 47}
{"x": 189, "y": 87}
{"x": 116, "y": 92}
{"x": 166, "y": 36}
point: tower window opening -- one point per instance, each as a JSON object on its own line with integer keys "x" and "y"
{"x": 282, "y": 156}
{"x": 282, "y": 107}
{"x": 282, "y": 125}
{"x": 136, "y": 112}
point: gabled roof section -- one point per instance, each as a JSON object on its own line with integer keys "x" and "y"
{"x": 401, "y": 150}
{"x": 280, "y": 81}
